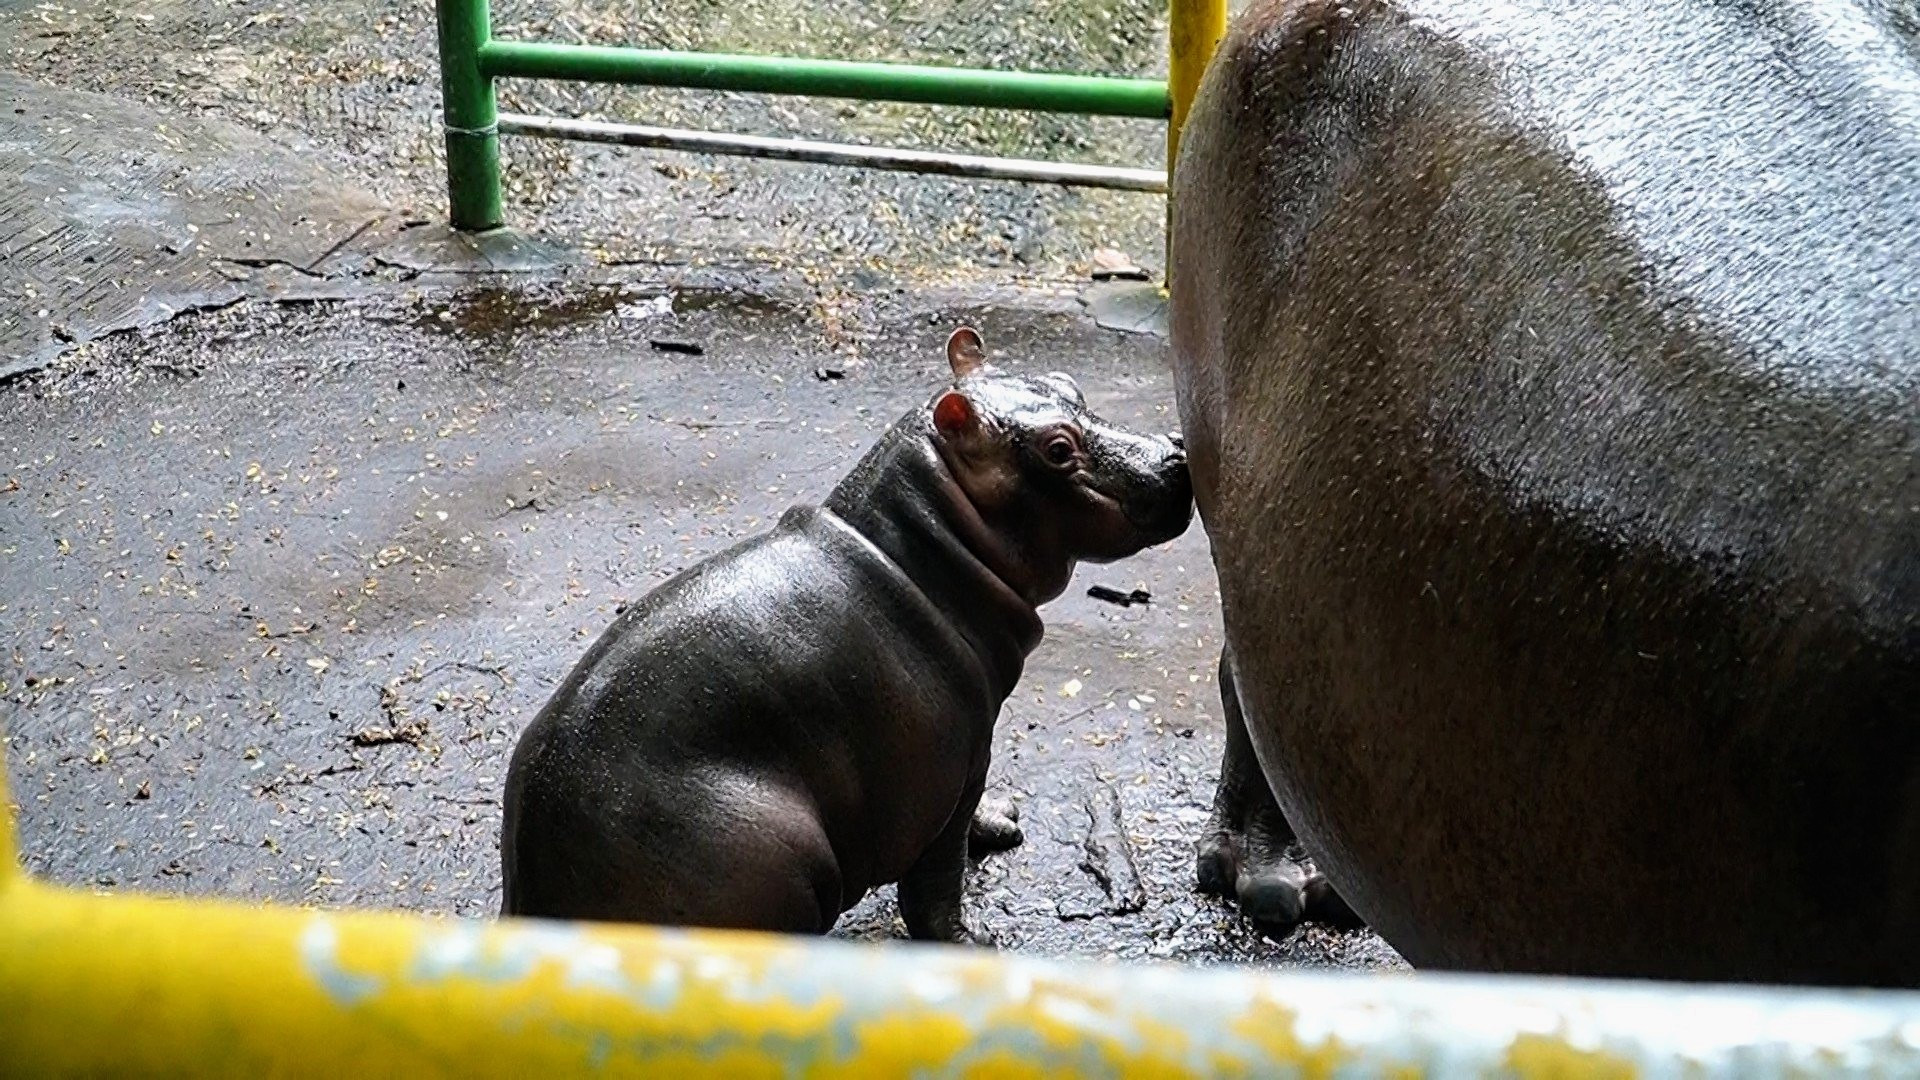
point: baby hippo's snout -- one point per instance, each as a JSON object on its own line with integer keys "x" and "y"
{"x": 1147, "y": 476}
{"x": 1165, "y": 511}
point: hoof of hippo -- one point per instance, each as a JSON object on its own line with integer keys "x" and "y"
{"x": 1326, "y": 906}
{"x": 1270, "y": 889}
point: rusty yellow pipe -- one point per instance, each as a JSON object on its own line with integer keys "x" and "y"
{"x": 1194, "y": 31}
{"x": 94, "y": 985}
{"x": 9, "y": 861}
{"x": 133, "y": 985}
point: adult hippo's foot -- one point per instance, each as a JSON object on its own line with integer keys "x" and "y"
{"x": 1246, "y": 851}
{"x": 995, "y": 828}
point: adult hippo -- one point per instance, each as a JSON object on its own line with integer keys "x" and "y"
{"x": 1550, "y": 373}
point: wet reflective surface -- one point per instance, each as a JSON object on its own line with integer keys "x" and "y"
{"x": 282, "y": 585}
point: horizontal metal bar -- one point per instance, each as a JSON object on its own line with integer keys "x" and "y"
{"x": 131, "y": 985}
{"x": 96, "y": 985}
{"x": 1030, "y": 91}
{"x": 827, "y": 153}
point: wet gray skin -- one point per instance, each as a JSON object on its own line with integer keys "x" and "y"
{"x": 808, "y": 715}
{"x": 1549, "y": 374}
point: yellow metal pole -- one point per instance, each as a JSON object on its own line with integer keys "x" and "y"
{"x": 141, "y": 986}
{"x": 9, "y": 867}
{"x": 144, "y": 986}
{"x": 1194, "y": 31}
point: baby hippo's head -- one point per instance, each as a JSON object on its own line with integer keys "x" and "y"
{"x": 1043, "y": 470}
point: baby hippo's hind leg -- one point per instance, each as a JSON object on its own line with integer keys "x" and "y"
{"x": 930, "y": 892}
{"x": 775, "y": 871}
{"x": 735, "y": 857}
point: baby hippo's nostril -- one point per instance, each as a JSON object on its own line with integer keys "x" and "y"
{"x": 1178, "y": 442}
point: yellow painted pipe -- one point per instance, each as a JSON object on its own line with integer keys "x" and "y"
{"x": 96, "y": 985}
{"x": 9, "y": 862}
{"x": 1194, "y": 31}
{"x": 100, "y": 985}
{"x": 131, "y": 985}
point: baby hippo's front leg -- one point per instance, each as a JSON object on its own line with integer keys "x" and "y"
{"x": 996, "y": 827}
{"x": 930, "y": 892}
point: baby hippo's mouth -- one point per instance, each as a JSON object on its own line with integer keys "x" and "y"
{"x": 1143, "y": 493}
{"x": 1163, "y": 509}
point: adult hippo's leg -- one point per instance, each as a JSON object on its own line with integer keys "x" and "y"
{"x": 1246, "y": 853}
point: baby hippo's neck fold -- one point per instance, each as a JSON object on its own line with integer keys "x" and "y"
{"x": 903, "y": 499}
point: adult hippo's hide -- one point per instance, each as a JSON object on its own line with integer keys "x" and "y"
{"x": 1548, "y": 371}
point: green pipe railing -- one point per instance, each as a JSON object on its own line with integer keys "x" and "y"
{"x": 913, "y": 84}
{"x": 470, "y": 61}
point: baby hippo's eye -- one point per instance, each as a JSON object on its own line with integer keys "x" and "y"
{"x": 1060, "y": 450}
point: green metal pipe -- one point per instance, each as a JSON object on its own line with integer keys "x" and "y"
{"x": 1085, "y": 95}
{"x": 469, "y": 114}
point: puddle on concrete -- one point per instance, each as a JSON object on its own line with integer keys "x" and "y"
{"x": 688, "y": 301}
{"x": 494, "y": 312}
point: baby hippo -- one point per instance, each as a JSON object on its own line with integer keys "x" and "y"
{"x": 809, "y": 714}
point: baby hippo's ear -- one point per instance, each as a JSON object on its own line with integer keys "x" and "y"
{"x": 966, "y": 353}
{"x": 954, "y": 416}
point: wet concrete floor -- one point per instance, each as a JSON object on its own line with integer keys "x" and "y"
{"x": 282, "y": 583}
